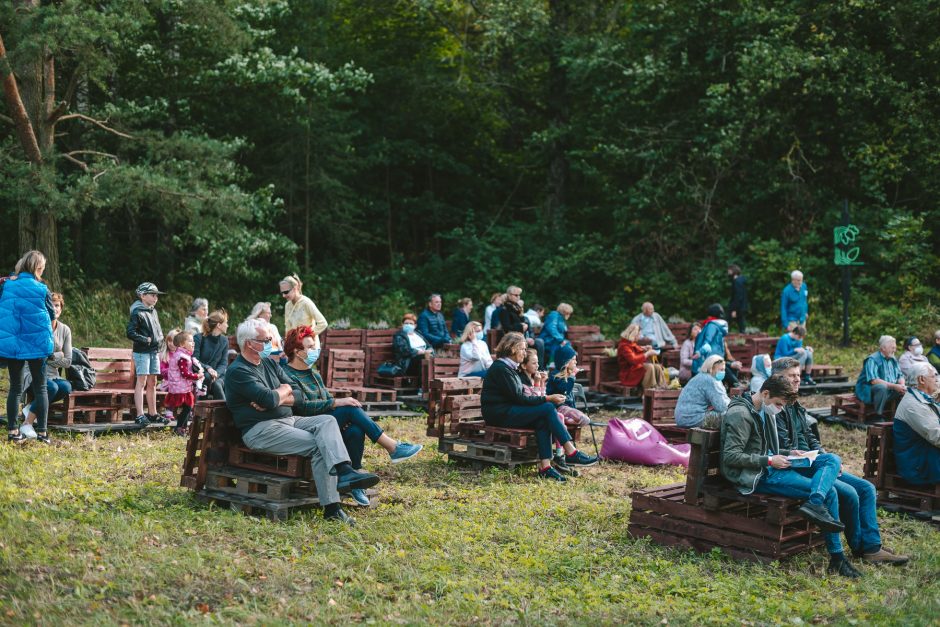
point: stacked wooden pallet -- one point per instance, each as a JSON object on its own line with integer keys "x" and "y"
{"x": 706, "y": 513}
{"x": 893, "y": 491}
{"x": 853, "y": 410}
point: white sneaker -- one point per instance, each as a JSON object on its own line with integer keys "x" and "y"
{"x": 28, "y": 431}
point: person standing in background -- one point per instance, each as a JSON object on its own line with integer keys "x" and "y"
{"x": 794, "y": 304}
{"x": 738, "y": 305}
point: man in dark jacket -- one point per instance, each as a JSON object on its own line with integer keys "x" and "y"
{"x": 751, "y": 459}
{"x": 857, "y": 497}
{"x": 738, "y": 305}
{"x": 511, "y": 319}
{"x": 431, "y": 324}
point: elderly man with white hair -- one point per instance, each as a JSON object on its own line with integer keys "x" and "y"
{"x": 260, "y": 397}
{"x": 794, "y": 306}
{"x": 917, "y": 428}
{"x": 881, "y": 379}
{"x": 653, "y": 327}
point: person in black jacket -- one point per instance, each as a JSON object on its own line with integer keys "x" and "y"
{"x": 431, "y": 323}
{"x": 504, "y": 404}
{"x": 212, "y": 351}
{"x": 738, "y": 305}
{"x": 511, "y": 319}
{"x": 409, "y": 346}
{"x": 144, "y": 329}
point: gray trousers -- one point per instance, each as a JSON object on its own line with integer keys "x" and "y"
{"x": 806, "y": 359}
{"x": 316, "y": 437}
{"x": 880, "y": 395}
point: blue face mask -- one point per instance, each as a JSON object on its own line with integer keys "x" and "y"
{"x": 313, "y": 354}
{"x": 480, "y": 335}
{"x": 267, "y": 350}
{"x": 720, "y": 375}
{"x": 408, "y": 328}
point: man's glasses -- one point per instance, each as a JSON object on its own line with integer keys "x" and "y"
{"x": 286, "y": 292}
{"x": 264, "y": 341}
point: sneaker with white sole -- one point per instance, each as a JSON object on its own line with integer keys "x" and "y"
{"x": 405, "y": 450}
{"x": 360, "y": 497}
{"x": 28, "y": 432}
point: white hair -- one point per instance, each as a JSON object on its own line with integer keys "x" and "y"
{"x": 921, "y": 369}
{"x": 197, "y": 303}
{"x": 258, "y": 308}
{"x": 884, "y": 339}
{"x": 248, "y": 330}
{"x": 796, "y": 274}
{"x": 711, "y": 364}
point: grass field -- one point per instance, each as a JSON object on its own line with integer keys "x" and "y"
{"x": 96, "y": 531}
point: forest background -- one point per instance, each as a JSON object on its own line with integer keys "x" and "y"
{"x": 598, "y": 152}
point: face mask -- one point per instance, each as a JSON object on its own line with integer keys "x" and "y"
{"x": 408, "y": 328}
{"x": 772, "y": 410}
{"x": 720, "y": 375}
{"x": 918, "y": 350}
{"x": 313, "y": 354}
{"x": 480, "y": 335}
{"x": 267, "y": 350}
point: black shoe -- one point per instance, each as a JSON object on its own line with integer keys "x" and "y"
{"x": 43, "y": 438}
{"x": 355, "y": 480}
{"x": 157, "y": 419}
{"x": 16, "y": 438}
{"x": 339, "y": 515}
{"x": 559, "y": 463}
{"x": 819, "y": 515}
{"x": 839, "y": 565}
{"x": 142, "y": 420}
{"x": 808, "y": 381}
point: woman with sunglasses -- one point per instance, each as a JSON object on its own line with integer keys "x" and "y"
{"x": 299, "y": 311}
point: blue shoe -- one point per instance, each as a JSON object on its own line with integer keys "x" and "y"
{"x": 552, "y": 475}
{"x": 359, "y": 496}
{"x": 580, "y": 459}
{"x": 404, "y": 451}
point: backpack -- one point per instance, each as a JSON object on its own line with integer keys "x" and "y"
{"x": 80, "y": 374}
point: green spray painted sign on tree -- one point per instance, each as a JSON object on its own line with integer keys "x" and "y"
{"x": 845, "y": 254}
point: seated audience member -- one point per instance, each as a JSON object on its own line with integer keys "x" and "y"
{"x": 555, "y": 330}
{"x": 857, "y": 497}
{"x": 316, "y": 400}
{"x": 881, "y": 379}
{"x": 212, "y": 351}
{"x": 917, "y": 429}
{"x": 461, "y": 317}
{"x": 475, "y": 357}
{"x": 934, "y": 355}
{"x": 653, "y": 327}
{"x": 262, "y": 398}
{"x": 489, "y": 314}
{"x": 197, "y": 315}
{"x": 703, "y": 401}
{"x": 634, "y": 369}
{"x": 56, "y": 387}
{"x": 913, "y": 354}
{"x": 711, "y": 341}
{"x": 409, "y": 346}
{"x": 752, "y": 461}
{"x": 561, "y": 380}
{"x": 511, "y": 319}
{"x": 505, "y": 404}
{"x": 534, "y": 316}
{"x": 262, "y": 311}
{"x": 790, "y": 344}
{"x": 431, "y": 324}
{"x": 761, "y": 368}
{"x": 687, "y": 354}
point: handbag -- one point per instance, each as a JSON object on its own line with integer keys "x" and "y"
{"x": 390, "y": 369}
{"x": 638, "y": 442}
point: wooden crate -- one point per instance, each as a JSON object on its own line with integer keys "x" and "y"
{"x": 452, "y": 401}
{"x": 211, "y": 434}
{"x": 350, "y": 339}
{"x": 881, "y": 470}
{"x": 437, "y": 367}
{"x": 582, "y": 332}
{"x": 379, "y": 337}
{"x": 89, "y": 406}
{"x": 241, "y": 456}
{"x": 256, "y": 484}
{"x": 853, "y": 410}
{"x": 659, "y": 406}
{"x": 344, "y": 368}
{"x": 277, "y": 511}
{"x": 603, "y": 370}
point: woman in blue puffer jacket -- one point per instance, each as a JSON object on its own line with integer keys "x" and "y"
{"x": 26, "y": 314}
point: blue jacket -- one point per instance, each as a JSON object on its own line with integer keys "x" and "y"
{"x": 786, "y": 346}
{"x": 876, "y": 366}
{"x": 459, "y": 322}
{"x": 555, "y": 385}
{"x": 711, "y": 341}
{"x": 26, "y": 315}
{"x": 793, "y": 304}
{"x": 433, "y": 328}
{"x": 553, "y": 333}
{"x": 918, "y": 461}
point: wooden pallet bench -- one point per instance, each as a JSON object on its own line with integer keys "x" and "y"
{"x": 277, "y": 511}
{"x": 452, "y": 401}
{"x": 680, "y": 330}
{"x": 88, "y": 407}
{"x": 438, "y": 367}
{"x": 604, "y": 369}
{"x": 881, "y": 470}
{"x": 240, "y": 481}
{"x": 853, "y": 410}
{"x": 211, "y": 434}
{"x": 706, "y": 513}
{"x": 578, "y": 332}
{"x": 659, "y": 406}
{"x": 350, "y": 339}
{"x": 587, "y": 351}
{"x": 346, "y": 369}
{"x": 824, "y": 373}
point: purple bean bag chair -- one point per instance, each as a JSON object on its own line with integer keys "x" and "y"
{"x": 638, "y": 442}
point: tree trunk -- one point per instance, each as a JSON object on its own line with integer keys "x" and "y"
{"x": 557, "y": 104}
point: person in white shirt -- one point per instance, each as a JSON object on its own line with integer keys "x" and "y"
{"x": 475, "y": 358}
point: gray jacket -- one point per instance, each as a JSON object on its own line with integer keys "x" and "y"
{"x": 747, "y": 442}
{"x": 660, "y": 329}
{"x": 917, "y": 414}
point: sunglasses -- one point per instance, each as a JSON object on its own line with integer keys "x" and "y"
{"x": 286, "y": 292}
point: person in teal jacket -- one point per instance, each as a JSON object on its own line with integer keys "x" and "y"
{"x": 555, "y": 330}
{"x": 26, "y": 313}
{"x": 794, "y": 306}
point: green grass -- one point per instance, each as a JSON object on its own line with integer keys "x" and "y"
{"x": 97, "y": 531}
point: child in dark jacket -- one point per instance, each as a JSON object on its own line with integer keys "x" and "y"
{"x": 561, "y": 380}
{"x": 144, "y": 330}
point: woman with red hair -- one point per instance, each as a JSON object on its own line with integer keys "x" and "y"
{"x": 302, "y": 352}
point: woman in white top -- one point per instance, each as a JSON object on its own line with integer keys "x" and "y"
{"x": 475, "y": 357}
{"x": 299, "y": 311}
{"x": 262, "y": 311}
{"x": 495, "y": 301}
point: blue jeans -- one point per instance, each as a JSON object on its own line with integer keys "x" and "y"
{"x": 543, "y": 418}
{"x": 56, "y": 389}
{"x": 857, "y": 500}
{"x": 815, "y": 484}
{"x": 355, "y": 424}
{"x": 37, "y": 369}
{"x": 475, "y": 373}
